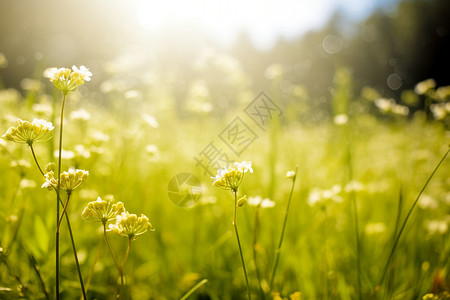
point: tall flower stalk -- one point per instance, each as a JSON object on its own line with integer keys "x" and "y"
{"x": 37, "y": 131}
{"x": 290, "y": 175}
{"x": 259, "y": 203}
{"x": 239, "y": 243}
{"x": 67, "y": 81}
{"x": 58, "y": 198}
{"x": 397, "y": 238}
{"x": 126, "y": 224}
{"x": 231, "y": 179}
{"x": 255, "y": 250}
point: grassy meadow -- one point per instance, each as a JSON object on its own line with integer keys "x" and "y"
{"x": 360, "y": 168}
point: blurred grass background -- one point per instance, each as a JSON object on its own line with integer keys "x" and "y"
{"x": 177, "y": 94}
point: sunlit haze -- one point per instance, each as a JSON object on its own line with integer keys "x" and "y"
{"x": 264, "y": 21}
{"x": 225, "y": 149}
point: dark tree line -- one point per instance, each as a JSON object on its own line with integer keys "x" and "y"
{"x": 412, "y": 42}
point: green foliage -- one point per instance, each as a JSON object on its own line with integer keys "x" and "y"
{"x": 371, "y": 157}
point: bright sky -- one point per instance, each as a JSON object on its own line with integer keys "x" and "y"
{"x": 264, "y": 20}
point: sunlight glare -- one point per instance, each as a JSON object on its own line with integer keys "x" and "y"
{"x": 223, "y": 20}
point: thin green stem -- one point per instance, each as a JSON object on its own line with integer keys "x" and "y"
{"x": 109, "y": 246}
{"x": 58, "y": 188}
{"x": 80, "y": 277}
{"x": 15, "y": 233}
{"x": 16, "y": 192}
{"x": 123, "y": 265}
{"x": 278, "y": 250}
{"x": 354, "y": 204}
{"x": 59, "y": 218}
{"x": 399, "y": 211}
{"x": 391, "y": 274}
{"x": 119, "y": 267}
{"x": 16, "y": 276}
{"x": 255, "y": 247}
{"x": 407, "y": 217}
{"x": 358, "y": 243}
{"x": 35, "y": 159}
{"x": 239, "y": 244}
{"x": 128, "y": 252}
{"x": 193, "y": 289}
{"x": 91, "y": 273}
{"x": 68, "y": 224}
{"x": 63, "y": 212}
{"x": 38, "y": 274}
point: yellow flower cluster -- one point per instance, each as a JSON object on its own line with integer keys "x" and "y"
{"x": 130, "y": 225}
{"x": 258, "y": 201}
{"x": 103, "y": 210}
{"x": 290, "y": 174}
{"x": 389, "y": 106}
{"x": 441, "y": 296}
{"x": 231, "y": 178}
{"x": 424, "y": 86}
{"x": 293, "y": 296}
{"x": 70, "y": 180}
{"x": 68, "y": 80}
{"x": 28, "y": 133}
{"x": 3, "y": 61}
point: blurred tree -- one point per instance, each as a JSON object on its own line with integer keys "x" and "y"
{"x": 390, "y": 50}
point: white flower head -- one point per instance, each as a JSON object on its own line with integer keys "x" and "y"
{"x": 152, "y": 150}
{"x": 70, "y": 180}
{"x": 315, "y": 196}
{"x": 385, "y": 105}
{"x": 43, "y": 109}
{"x": 400, "y": 110}
{"x": 81, "y": 151}
{"x": 68, "y": 80}
{"x": 254, "y": 201}
{"x": 65, "y": 154}
{"x": 320, "y": 196}
{"x": 375, "y": 228}
{"x": 29, "y": 132}
{"x": 21, "y": 164}
{"x": 150, "y": 120}
{"x": 437, "y": 226}
{"x": 258, "y": 201}
{"x": 340, "y": 119}
{"x": 3, "y": 61}
{"x": 428, "y": 202}
{"x": 266, "y": 203}
{"x": 27, "y": 183}
{"x": 231, "y": 178}
{"x": 102, "y": 210}
{"x": 80, "y": 114}
{"x": 244, "y": 166}
{"x": 84, "y": 72}
{"x": 290, "y": 174}
{"x": 131, "y": 94}
{"x": 443, "y": 93}
{"x": 424, "y": 86}
{"x": 439, "y": 111}
{"x": 130, "y": 225}
{"x": 99, "y": 136}
{"x": 354, "y": 186}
